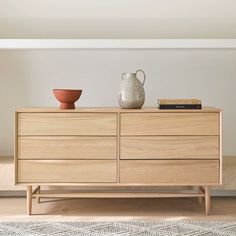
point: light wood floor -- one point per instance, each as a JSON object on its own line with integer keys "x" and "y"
{"x": 186, "y": 208}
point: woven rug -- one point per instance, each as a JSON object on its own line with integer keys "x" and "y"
{"x": 121, "y": 228}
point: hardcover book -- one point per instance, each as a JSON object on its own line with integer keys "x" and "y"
{"x": 178, "y": 101}
{"x": 181, "y": 106}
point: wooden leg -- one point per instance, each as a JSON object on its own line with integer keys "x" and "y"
{"x": 38, "y": 198}
{"x": 199, "y": 191}
{"x": 207, "y": 199}
{"x": 29, "y": 200}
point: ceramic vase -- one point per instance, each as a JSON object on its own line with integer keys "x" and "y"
{"x": 132, "y": 94}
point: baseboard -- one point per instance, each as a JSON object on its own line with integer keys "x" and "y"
{"x": 216, "y": 193}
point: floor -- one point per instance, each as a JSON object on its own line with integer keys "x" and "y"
{"x": 178, "y": 208}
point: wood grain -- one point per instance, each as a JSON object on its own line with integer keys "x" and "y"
{"x": 207, "y": 200}
{"x": 29, "y": 199}
{"x": 169, "y": 171}
{"x": 170, "y": 124}
{"x": 66, "y": 171}
{"x": 66, "y": 147}
{"x": 221, "y": 146}
{"x": 67, "y": 124}
{"x": 115, "y": 109}
{"x": 170, "y": 147}
{"x": 15, "y": 147}
{"x": 97, "y": 194}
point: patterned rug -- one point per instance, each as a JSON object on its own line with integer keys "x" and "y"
{"x": 120, "y": 228}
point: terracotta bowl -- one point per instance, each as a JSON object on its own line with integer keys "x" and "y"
{"x": 67, "y": 97}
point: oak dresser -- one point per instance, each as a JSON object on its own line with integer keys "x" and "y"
{"x": 111, "y": 147}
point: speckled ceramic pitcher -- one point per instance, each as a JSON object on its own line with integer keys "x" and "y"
{"x": 132, "y": 94}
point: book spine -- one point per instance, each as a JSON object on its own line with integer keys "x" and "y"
{"x": 182, "y": 106}
{"x": 178, "y": 101}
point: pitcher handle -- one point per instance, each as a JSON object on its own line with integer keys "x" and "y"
{"x": 123, "y": 75}
{"x": 144, "y": 76}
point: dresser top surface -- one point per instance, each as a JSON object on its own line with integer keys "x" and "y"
{"x": 117, "y": 109}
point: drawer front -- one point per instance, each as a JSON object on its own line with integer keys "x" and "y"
{"x": 170, "y": 124}
{"x": 169, "y": 147}
{"x": 73, "y": 171}
{"x": 169, "y": 172}
{"x": 67, "y": 124}
{"x": 66, "y": 147}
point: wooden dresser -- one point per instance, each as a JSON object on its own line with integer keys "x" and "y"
{"x": 117, "y": 147}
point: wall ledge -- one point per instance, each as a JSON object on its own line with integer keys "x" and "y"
{"x": 117, "y": 43}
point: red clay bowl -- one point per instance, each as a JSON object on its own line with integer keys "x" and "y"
{"x": 67, "y": 97}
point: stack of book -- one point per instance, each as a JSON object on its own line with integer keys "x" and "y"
{"x": 179, "y": 103}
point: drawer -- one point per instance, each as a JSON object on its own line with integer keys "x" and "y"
{"x": 170, "y": 172}
{"x": 169, "y": 147}
{"x": 65, "y": 171}
{"x": 67, "y": 124}
{"x": 66, "y": 147}
{"x": 170, "y": 123}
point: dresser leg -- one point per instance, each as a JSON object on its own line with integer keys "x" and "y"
{"x": 29, "y": 200}
{"x": 207, "y": 199}
{"x": 37, "y": 197}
